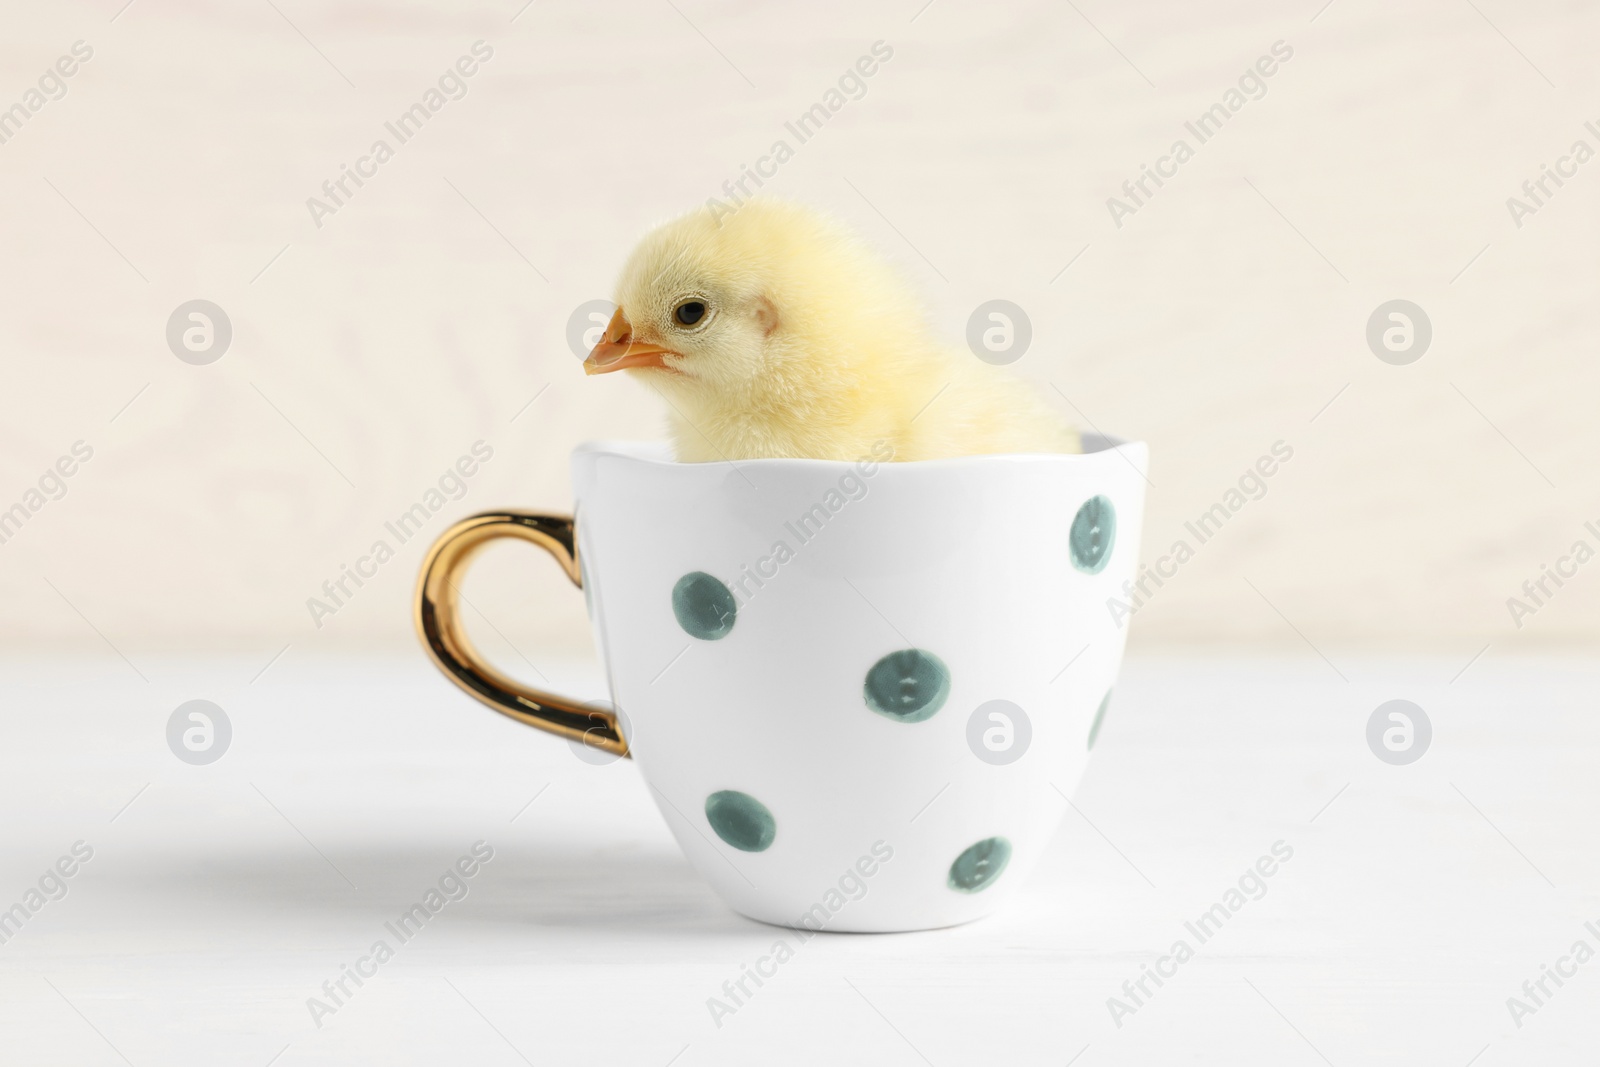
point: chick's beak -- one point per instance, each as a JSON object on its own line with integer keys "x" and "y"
{"x": 618, "y": 350}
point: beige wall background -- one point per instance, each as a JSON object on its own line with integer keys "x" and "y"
{"x": 430, "y": 312}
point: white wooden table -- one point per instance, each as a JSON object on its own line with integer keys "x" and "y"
{"x": 220, "y": 898}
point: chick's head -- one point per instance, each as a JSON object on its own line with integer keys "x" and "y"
{"x": 687, "y": 306}
{"x": 741, "y": 303}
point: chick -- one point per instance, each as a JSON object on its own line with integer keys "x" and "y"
{"x": 775, "y": 332}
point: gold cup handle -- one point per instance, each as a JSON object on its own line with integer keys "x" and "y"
{"x": 439, "y": 624}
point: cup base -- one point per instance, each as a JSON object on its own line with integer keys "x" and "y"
{"x": 842, "y": 924}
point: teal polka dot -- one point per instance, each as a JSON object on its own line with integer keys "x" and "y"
{"x": 1094, "y": 531}
{"x": 1099, "y": 717}
{"x": 704, "y": 606}
{"x": 910, "y": 685}
{"x": 741, "y": 820}
{"x": 976, "y": 868}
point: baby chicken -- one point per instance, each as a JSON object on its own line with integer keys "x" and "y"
{"x": 775, "y": 332}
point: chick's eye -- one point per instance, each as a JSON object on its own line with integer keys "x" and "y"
{"x": 689, "y": 312}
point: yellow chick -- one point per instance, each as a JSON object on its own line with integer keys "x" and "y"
{"x": 775, "y": 332}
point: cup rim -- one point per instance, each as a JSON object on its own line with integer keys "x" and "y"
{"x": 658, "y": 453}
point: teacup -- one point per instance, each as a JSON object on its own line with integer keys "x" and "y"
{"x": 860, "y": 693}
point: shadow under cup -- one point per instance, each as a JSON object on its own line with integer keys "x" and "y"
{"x": 859, "y": 692}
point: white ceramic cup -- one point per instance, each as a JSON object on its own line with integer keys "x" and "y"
{"x": 859, "y": 692}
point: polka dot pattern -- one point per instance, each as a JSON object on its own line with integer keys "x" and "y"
{"x": 1094, "y": 532}
{"x": 907, "y": 686}
{"x": 741, "y": 820}
{"x": 704, "y": 606}
{"x": 977, "y": 868}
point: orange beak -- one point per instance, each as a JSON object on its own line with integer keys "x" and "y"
{"x": 618, "y": 350}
